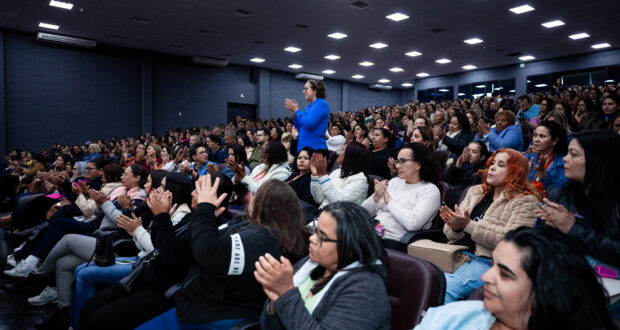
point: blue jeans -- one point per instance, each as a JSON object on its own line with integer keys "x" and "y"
{"x": 87, "y": 279}
{"x": 466, "y": 279}
{"x": 169, "y": 321}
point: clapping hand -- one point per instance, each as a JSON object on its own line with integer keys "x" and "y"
{"x": 207, "y": 193}
{"x": 124, "y": 201}
{"x": 484, "y": 128}
{"x": 392, "y": 166}
{"x": 76, "y": 189}
{"x": 539, "y": 168}
{"x": 160, "y": 201}
{"x": 129, "y": 224}
{"x": 318, "y": 165}
{"x": 556, "y": 216}
{"x": 380, "y": 189}
{"x": 275, "y": 276}
{"x": 456, "y": 219}
{"x": 291, "y": 105}
{"x": 85, "y": 189}
{"x": 99, "y": 197}
{"x": 439, "y": 132}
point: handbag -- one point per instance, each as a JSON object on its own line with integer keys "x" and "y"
{"x": 104, "y": 251}
{"x": 448, "y": 257}
{"x": 127, "y": 281}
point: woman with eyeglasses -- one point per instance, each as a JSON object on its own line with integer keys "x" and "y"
{"x": 340, "y": 285}
{"x": 312, "y": 122}
{"x": 409, "y": 201}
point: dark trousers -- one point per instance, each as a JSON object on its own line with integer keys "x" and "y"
{"x": 30, "y": 215}
{"x": 58, "y": 228}
{"x": 115, "y": 308}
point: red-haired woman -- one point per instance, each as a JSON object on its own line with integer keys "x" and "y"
{"x": 504, "y": 201}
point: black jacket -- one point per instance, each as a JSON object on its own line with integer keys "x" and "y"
{"x": 459, "y": 142}
{"x": 222, "y": 285}
{"x": 465, "y": 175}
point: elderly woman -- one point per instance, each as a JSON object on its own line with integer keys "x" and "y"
{"x": 409, "y": 201}
{"x": 526, "y": 288}
{"x": 340, "y": 285}
{"x": 503, "y": 202}
{"x": 94, "y": 151}
{"x": 504, "y": 135}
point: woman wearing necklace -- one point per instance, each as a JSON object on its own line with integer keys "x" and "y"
{"x": 503, "y": 202}
{"x": 546, "y": 166}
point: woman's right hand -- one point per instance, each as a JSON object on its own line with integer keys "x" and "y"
{"x": 380, "y": 188}
{"x": 207, "y": 193}
{"x": 275, "y": 276}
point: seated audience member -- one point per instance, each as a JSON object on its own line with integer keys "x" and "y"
{"x": 178, "y": 190}
{"x": 287, "y": 143}
{"x": 220, "y": 291}
{"x": 545, "y": 107}
{"x": 237, "y": 154}
{"x": 116, "y": 307}
{"x": 153, "y": 157}
{"x": 360, "y": 135}
{"x": 348, "y": 183}
{"x": 245, "y": 141}
{"x": 201, "y": 164}
{"x": 610, "y": 107}
{"x": 526, "y": 287}
{"x": 465, "y": 171}
{"x": 340, "y": 285}
{"x": 336, "y": 139}
{"x": 588, "y": 210}
{"x": 615, "y": 123}
{"x": 458, "y": 136}
{"x": 111, "y": 180}
{"x": 505, "y": 134}
{"x": 559, "y": 117}
{"x": 503, "y": 202}
{"x": 382, "y": 151}
{"x": 274, "y": 166}
{"x": 261, "y": 143}
{"x": 550, "y": 145}
{"x": 215, "y": 151}
{"x": 594, "y": 117}
{"x": 300, "y": 178}
{"x": 527, "y": 110}
{"x": 94, "y": 151}
{"x": 410, "y": 201}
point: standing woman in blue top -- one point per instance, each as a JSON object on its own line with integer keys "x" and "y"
{"x": 313, "y": 120}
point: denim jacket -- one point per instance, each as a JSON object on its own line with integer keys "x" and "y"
{"x": 554, "y": 179}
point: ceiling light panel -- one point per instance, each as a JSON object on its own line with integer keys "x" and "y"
{"x": 469, "y": 67}
{"x": 397, "y": 69}
{"x": 60, "y": 4}
{"x": 443, "y": 90}
{"x": 527, "y": 58}
{"x": 422, "y": 74}
{"x": 407, "y": 84}
{"x": 378, "y": 45}
{"x": 443, "y": 61}
{"x": 540, "y": 85}
{"x": 384, "y": 81}
{"x": 413, "y": 53}
{"x": 552, "y": 24}
{"x": 522, "y": 9}
{"x": 577, "y": 36}
{"x": 49, "y": 26}
{"x": 292, "y": 49}
{"x": 599, "y": 46}
{"x": 337, "y": 35}
{"x": 473, "y": 41}
{"x": 396, "y": 17}
{"x": 366, "y": 63}
{"x": 257, "y": 60}
{"x": 357, "y": 76}
{"x": 295, "y": 66}
{"x": 328, "y": 71}
{"x": 332, "y": 57}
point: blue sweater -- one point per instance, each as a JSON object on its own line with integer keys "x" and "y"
{"x": 312, "y": 125}
{"x": 510, "y": 137}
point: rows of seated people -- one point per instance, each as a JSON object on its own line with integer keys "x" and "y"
{"x": 219, "y": 227}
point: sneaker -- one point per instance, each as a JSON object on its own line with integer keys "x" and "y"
{"x": 10, "y": 260}
{"x": 48, "y": 295}
{"x": 23, "y": 269}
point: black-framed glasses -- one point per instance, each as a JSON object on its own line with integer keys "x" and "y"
{"x": 402, "y": 161}
{"x": 90, "y": 168}
{"x": 319, "y": 239}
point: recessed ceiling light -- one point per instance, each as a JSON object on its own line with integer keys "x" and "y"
{"x": 413, "y": 53}
{"x": 460, "y": 94}
{"x": 378, "y": 45}
{"x": 357, "y": 76}
{"x": 422, "y": 74}
{"x": 366, "y": 63}
{"x": 499, "y": 88}
{"x": 579, "y": 36}
{"x": 397, "y": 69}
{"x": 332, "y": 57}
{"x": 295, "y": 66}
{"x": 540, "y": 85}
{"x": 481, "y": 86}
{"x": 328, "y": 71}
{"x": 397, "y": 17}
{"x": 407, "y": 84}
{"x": 48, "y": 26}
{"x": 443, "y": 61}
{"x": 599, "y": 46}
{"x": 384, "y": 81}
{"x": 522, "y": 9}
{"x": 469, "y": 67}
{"x": 529, "y": 81}
{"x": 473, "y": 41}
{"x": 552, "y": 24}
{"x": 511, "y": 91}
{"x": 257, "y": 60}
{"x": 60, "y": 4}
{"x": 337, "y": 35}
{"x": 292, "y": 49}
{"x": 526, "y": 57}
{"x": 443, "y": 90}
{"x": 609, "y": 81}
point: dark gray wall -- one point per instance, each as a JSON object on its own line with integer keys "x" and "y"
{"x": 584, "y": 61}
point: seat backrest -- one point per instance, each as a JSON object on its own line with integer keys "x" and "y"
{"x": 447, "y": 193}
{"x": 413, "y": 286}
{"x": 463, "y": 194}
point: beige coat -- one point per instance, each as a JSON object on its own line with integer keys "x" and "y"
{"x": 86, "y": 204}
{"x": 501, "y": 217}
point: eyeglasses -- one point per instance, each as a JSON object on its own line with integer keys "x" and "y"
{"x": 402, "y": 161}
{"x": 320, "y": 240}
{"x": 90, "y": 168}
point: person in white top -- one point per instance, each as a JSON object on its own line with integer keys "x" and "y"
{"x": 410, "y": 201}
{"x": 336, "y": 139}
{"x": 348, "y": 183}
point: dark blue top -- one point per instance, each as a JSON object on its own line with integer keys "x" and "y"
{"x": 312, "y": 125}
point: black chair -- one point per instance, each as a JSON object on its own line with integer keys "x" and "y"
{"x": 463, "y": 194}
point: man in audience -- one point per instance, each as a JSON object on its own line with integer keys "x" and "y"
{"x": 201, "y": 163}
{"x": 257, "y": 154}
